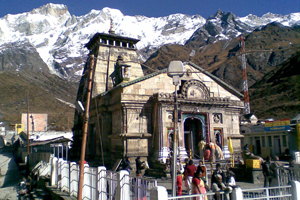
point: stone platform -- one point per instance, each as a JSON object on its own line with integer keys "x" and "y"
{"x": 249, "y": 175}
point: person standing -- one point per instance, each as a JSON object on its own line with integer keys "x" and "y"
{"x": 207, "y": 152}
{"x": 213, "y": 150}
{"x": 275, "y": 168}
{"x": 201, "y": 146}
{"x": 126, "y": 165}
{"x": 201, "y": 167}
{"x": 186, "y": 162}
{"x": 179, "y": 183}
{"x": 219, "y": 152}
{"x": 198, "y": 186}
{"x": 267, "y": 172}
{"x": 139, "y": 167}
{"x": 189, "y": 174}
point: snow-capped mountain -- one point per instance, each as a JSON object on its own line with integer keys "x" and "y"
{"x": 220, "y": 26}
{"x": 286, "y": 20}
{"x": 59, "y": 37}
{"x": 226, "y": 26}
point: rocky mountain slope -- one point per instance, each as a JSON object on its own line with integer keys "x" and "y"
{"x": 277, "y": 94}
{"x": 48, "y": 93}
{"x": 266, "y": 48}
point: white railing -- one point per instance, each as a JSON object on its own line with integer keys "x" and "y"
{"x": 280, "y": 192}
{"x": 289, "y": 192}
{"x": 209, "y": 196}
{"x": 99, "y": 183}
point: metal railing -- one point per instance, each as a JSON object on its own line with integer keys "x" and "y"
{"x": 270, "y": 193}
{"x": 286, "y": 175}
{"x": 140, "y": 187}
{"x": 278, "y": 193}
{"x": 112, "y": 180}
{"x": 209, "y": 196}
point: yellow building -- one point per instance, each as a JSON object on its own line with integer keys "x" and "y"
{"x": 269, "y": 138}
{"x": 19, "y": 128}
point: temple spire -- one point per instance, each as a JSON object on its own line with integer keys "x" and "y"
{"x": 111, "y": 30}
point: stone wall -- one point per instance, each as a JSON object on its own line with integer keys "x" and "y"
{"x": 105, "y": 66}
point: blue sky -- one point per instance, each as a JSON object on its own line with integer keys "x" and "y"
{"x": 159, "y": 8}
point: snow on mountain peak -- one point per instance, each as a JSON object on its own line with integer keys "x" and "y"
{"x": 59, "y": 38}
{"x": 256, "y": 22}
{"x": 112, "y": 12}
{"x": 271, "y": 15}
{"x": 56, "y": 10}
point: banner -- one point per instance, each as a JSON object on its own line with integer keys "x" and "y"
{"x": 278, "y": 125}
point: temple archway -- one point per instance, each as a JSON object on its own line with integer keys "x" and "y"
{"x": 194, "y": 132}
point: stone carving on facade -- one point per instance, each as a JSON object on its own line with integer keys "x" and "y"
{"x": 194, "y": 89}
{"x": 188, "y": 72}
{"x": 122, "y": 71}
{"x": 217, "y": 118}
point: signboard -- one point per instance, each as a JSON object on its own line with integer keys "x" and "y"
{"x": 278, "y": 125}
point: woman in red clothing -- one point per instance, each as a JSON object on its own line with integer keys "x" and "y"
{"x": 198, "y": 186}
{"x": 179, "y": 183}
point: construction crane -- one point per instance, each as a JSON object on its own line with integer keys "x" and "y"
{"x": 245, "y": 79}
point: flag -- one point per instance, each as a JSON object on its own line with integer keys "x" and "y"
{"x": 230, "y": 146}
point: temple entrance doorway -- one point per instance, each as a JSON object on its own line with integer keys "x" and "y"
{"x": 192, "y": 136}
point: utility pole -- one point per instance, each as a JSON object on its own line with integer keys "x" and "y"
{"x": 175, "y": 70}
{"x": 28, "y": 132}
{"x": 245, "y": 79}
{"x": 175, "y": 141}
{"x": 85, "y": 126}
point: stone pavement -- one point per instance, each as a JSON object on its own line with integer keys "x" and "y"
{"x": 10, "y": 176}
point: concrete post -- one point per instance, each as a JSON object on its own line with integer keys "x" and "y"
{"x": 53, "y": 171}
{"x": 59, "y": 174}
{"x": 65, "y": 176}
{"x": 124, "y": 185}
{"x": 86, "y": 194}
{"x": 94, "y": 182}
{"x": 74, "y": 177}
{"x": 101, "y": 186}
{"x": 296, "y": 190}
{"x": 158, "y": 193}
{"x": 237, "y": 194}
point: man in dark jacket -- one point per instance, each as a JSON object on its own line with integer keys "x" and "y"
{"x": 139, "y": 167}
{"x": 126, "y": 164}
{"x": 220, "y": 172}
{"x": 267, "y": 172}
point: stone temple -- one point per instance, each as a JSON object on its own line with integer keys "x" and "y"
{"x": 133, "y": 115}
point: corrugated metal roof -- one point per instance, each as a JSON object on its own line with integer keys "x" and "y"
{"x": 61, "y": 139}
